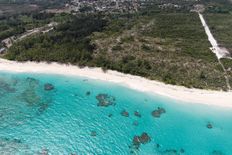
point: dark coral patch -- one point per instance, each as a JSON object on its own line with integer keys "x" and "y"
{"x": 157, "y": 146}
{"x": 135, "y": 123}
{"x": 44, "y": 151}
{"x": 144, "y": 138}
{"x": 87, "y": 93}
{"x": 182, "y": 151}
{"x": 105, "y": 100}
{"x": 48, "y": 87}
{"x": 173, "y": 152}
{"x": 136, "y": 142}
{"x": 110, "y": 115}
{"x": 30, "y": 96}
{"x": 32, "y": 81}
{"x": 209, "y": 126}
{"x": 43, "y": 107}
{"x": 17, "y": 141}
{"x": 93, "y": 133}
{"x": 137, "y": 114}
{"x": 125, "y": 113}
{"x": 170, "y": 151}
{"x": 33, "y": 98}
{"x": 216, "y": 152}
{"x": 158, "y": 112}
{"x": 6, "y": 87}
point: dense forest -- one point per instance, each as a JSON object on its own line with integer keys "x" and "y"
{"x": 68, "y": 44}
{"x": 18, "y": 24}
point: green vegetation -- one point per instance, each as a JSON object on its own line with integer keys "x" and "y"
{"x": 228, "y": 66}
{"x": 218, "y": 6}
{"x": 18, "y": 24}
{"x": 68, "y": 44}
{"x": 170, "y": 47}
{"x": 220, "y": 25}
{"x": 165, "y": 43}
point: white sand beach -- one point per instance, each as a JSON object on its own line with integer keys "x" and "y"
{"x": 217, "y": 98}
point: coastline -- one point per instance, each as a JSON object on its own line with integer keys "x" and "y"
{"x": 190, "y": 95}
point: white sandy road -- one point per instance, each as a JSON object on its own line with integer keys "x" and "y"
{"x": 218, "y": 98}
{"x": 220, "y": 52}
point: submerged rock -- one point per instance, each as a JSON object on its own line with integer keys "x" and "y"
{"x": 48, "y": 87}
{"x": 44, "y": 151}
{"x": 125, "y": 113}
{"x": 132, "y": 152}
{"x": 30, "y": 96}
{"x": 157, "y": 146}
{"x": 170, "y": 152}
{"x": 87, "y": 93}
{"x": 136, "y": 142}
{"x": 144, "y": 138}
{"x": 36, "y": 99}
{"x": 43, "y": 107}
{"x": 216, "y": 152}
{"x": 17, "y": 141}
{"x": 182, "y": 151}
{"x": 93, "y": 133}
{"x": 110, "y": 115}
{"x": 136, "y": 113}
{"x": 6, "y": 87}
{"x": 209, "y": 126}
{"x": 158, "y": 112}
{"x": 105, "y": 100}
{"x": 135, "y": 123}
{"x": 32, "y": 81}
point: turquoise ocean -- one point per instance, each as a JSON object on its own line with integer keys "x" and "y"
{"x": 64, "y": 115}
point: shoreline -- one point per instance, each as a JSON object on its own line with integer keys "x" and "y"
{"x": 190, "y": 95}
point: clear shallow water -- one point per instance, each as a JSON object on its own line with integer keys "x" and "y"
{"x": 68, "y": 120}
